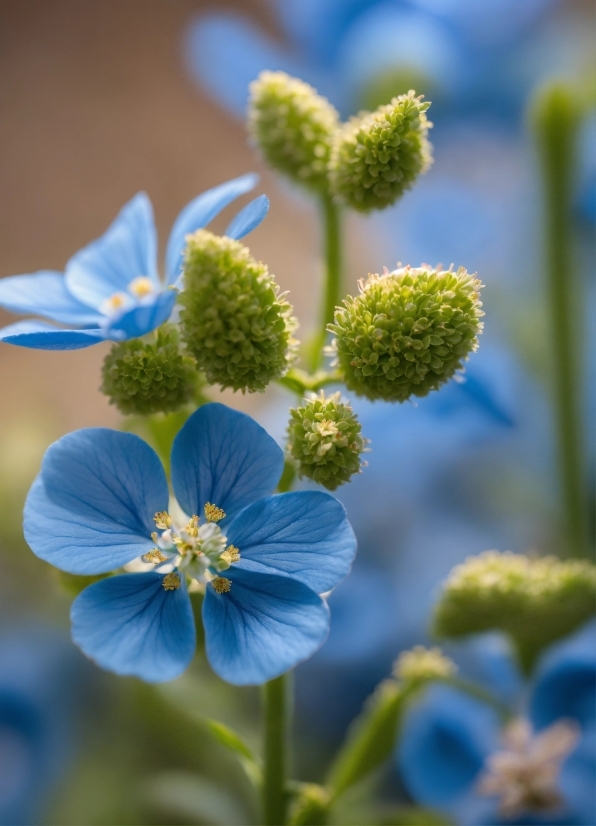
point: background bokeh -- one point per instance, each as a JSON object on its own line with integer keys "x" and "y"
{"x": 102, "y": 98}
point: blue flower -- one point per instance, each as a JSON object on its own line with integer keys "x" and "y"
{"x": 261, "y": 559}
{"x": 111, "y": 288}
{"x": 454, "y": 754}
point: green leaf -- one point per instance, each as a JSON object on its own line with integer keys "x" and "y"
{"x": 192, "y": 799}
{"x": 232, "y": 741}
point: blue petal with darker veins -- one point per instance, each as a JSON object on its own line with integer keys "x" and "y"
{"x": 91, "y": 508}
{"x": 44, "y": 294}
{"x": 223, "y": 457}
{"x": 144, "y": 318}
{"x": 304, "y": 534}
{"x": 127, "y": 250}
{"x": 198, "y": 213}
{"x": 262, "y": 627}
{"x": 38, "y": 335}
{"x": 131, "y": 625}
{"x": 248, "y": 218}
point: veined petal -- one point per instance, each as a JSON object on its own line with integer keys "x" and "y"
{"x": 223, "y": 457}
{"x": 132, "y": 625}
{"x": 127, "y": 250}
{"x": 44, "y": 293}
{"x": 262, "y": 626}
{"x": 91, "y": 508}
{"x": 198, "y": 213}
{"x": 304, "y": 534}
{"x": 41, "y": 336}
{"x": 144, "y": 318}
{"x": 248, "y": 218}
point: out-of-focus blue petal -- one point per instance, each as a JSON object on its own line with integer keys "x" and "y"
{"x": 91, "y": 508}
{"x": 444, "y": 741}
{"x": 198, "y": 213}
{"x": 566, "y": 681}
{"x": 223, "y": 457}
{"x": 248, "y": 218}
{"x": 131, "y": 625}
{"x": 262, "y": 627}
{"x": 144, "y": 318}
{"x": 41, "y": 336}
{"x": 305, "y": 535}
{"x": 578, "y": 779}
{"x": 126, "y": 250}
{"x": 44, "y": 293}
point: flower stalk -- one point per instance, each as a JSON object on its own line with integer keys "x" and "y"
{"x": 276, "y": 727}
{"x": 332, "y": 289}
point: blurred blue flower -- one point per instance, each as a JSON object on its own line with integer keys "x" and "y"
{"x": 111, "y": 289}
{"x": 449, "y": 744}
{"x": 93, "y": 507}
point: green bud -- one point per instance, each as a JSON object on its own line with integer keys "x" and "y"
{"x": 378, "y": 155}
{"x": 324, "y": 440}
{"x": 234, "y": 320}
{"x": 407, "y": 332}
{"x": 142, "y": 377}
{"x": 310, "y": 806}
{"x": 423, "y": 664}
{"x": 293, "y": 126}
{"x": 535, "y": 601}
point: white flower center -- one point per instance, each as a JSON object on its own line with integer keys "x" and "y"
{"x": 139, "y": 288}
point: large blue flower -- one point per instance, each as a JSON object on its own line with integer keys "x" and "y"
{"x": 452, "y": 754}
{"x": 111, "y": 288}
{"x": 263, "y": 560}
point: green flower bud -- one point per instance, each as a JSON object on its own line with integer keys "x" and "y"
{"x": 234, "y": 320}
{"x": 407, "y": 332}
{"x": 324, "y": 440}
{"x": 311, "y": 806}
{"x": 535, "y": 601}
{"x": 142, "y": 377}
{"x": 293, "y": 126}
{"x": 423, "y": 664}
{"x": 378, "y": 155}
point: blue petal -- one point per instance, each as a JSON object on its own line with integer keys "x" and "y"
{"x": 248, "y": 218}
{"x": 305, "y": 535}
{"x": 41, "y": 336}
{"x": 578, "y": 779}
{"x": 444, "y": 741}
{"x": 262, "y": 627}
{"x": 131, "y": 625}
{"x": 223, "y": 457}
{"x": 144, "y": 318}
{"x": 198, "y": 213}
{"x": 91, "y": 508}
{"x": 126, "y": 250}
{"x": 44, "y": 293}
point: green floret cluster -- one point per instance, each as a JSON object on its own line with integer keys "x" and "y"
{"x": 407, "y": 332}
{"x": 234, "y": 320}
{"x": 143, "y": 377}
{"x": 293, "y": 126}
{"x": 324, "y": 440}
{"x": 378, "y": 155}
{"x": 535, "y": 601}
{"x": 422, "y": 665}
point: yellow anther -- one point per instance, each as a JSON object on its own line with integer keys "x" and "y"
{"x": 171, "y": 582}
{"x": 193, "y": 527}
{"x": 141, "y": 286}
{"x": 221, "y": 585}
{"x": 163, "y": 520}
{"x": 231, "y": 554}
{"x": 155, "y": 556}
{"x": 115, "y": 302}
{"x": 155, "y": 537}
{"x": 213, "y": 513}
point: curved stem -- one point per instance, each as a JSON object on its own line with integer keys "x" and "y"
{"x": 331, "y": 220}
{"x": 276, "y": 707}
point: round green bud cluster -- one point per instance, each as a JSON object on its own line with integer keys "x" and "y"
{"x": 324, "y": 440}
{"x": 310, "y": 806}
{"x": 234, "y": 320}
{"x": 407, "y": 332}
{"x": 293, "y": 126}
{"x": 423, "y": 664}
{"x": 378, "y": 155}
{"x": 142, "y": 377}
{"x": 535, "y": 601}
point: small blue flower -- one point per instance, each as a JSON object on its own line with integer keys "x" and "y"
{"x": 455, "y": 756}
{"x": 261, "y": 559}
{"x": 111, "y": 288}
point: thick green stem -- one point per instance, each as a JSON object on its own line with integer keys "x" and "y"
{"x": 557, "y": 120}
{"x": 331, "y": 220}
{"x": 276, "y": 708}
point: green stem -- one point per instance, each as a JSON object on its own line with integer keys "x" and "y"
{"x": 276, "y": 707}
{"x": 557, "y": 121}
{"x": 331, "y": 220}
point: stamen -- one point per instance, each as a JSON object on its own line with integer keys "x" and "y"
{"x": 155, "y": 556}
{"x": 221, "y": 585}
{"x": 114, "y": 302}
{"x": 213, "y": 513}
{"x": 193, "y": 527}
{"x": 141, "y": 286}
{"x": 231, "y": 554}
{"x": 171, "y": 582}
{"x": 163, "y": 520}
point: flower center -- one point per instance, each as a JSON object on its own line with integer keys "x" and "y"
{"x": 139, "y": 287}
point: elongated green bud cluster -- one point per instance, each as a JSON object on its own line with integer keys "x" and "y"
{"x": 293, "y": 126}
{"x": 422, "y": 665}
{"x": 378, "y": 155}
{"x": 535, "y": 601}
{"x": 234, "y": 320}
{"x": 144, "y": 377}
{"x": 407, "y": 332}
{"x": 324, "y": 440}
